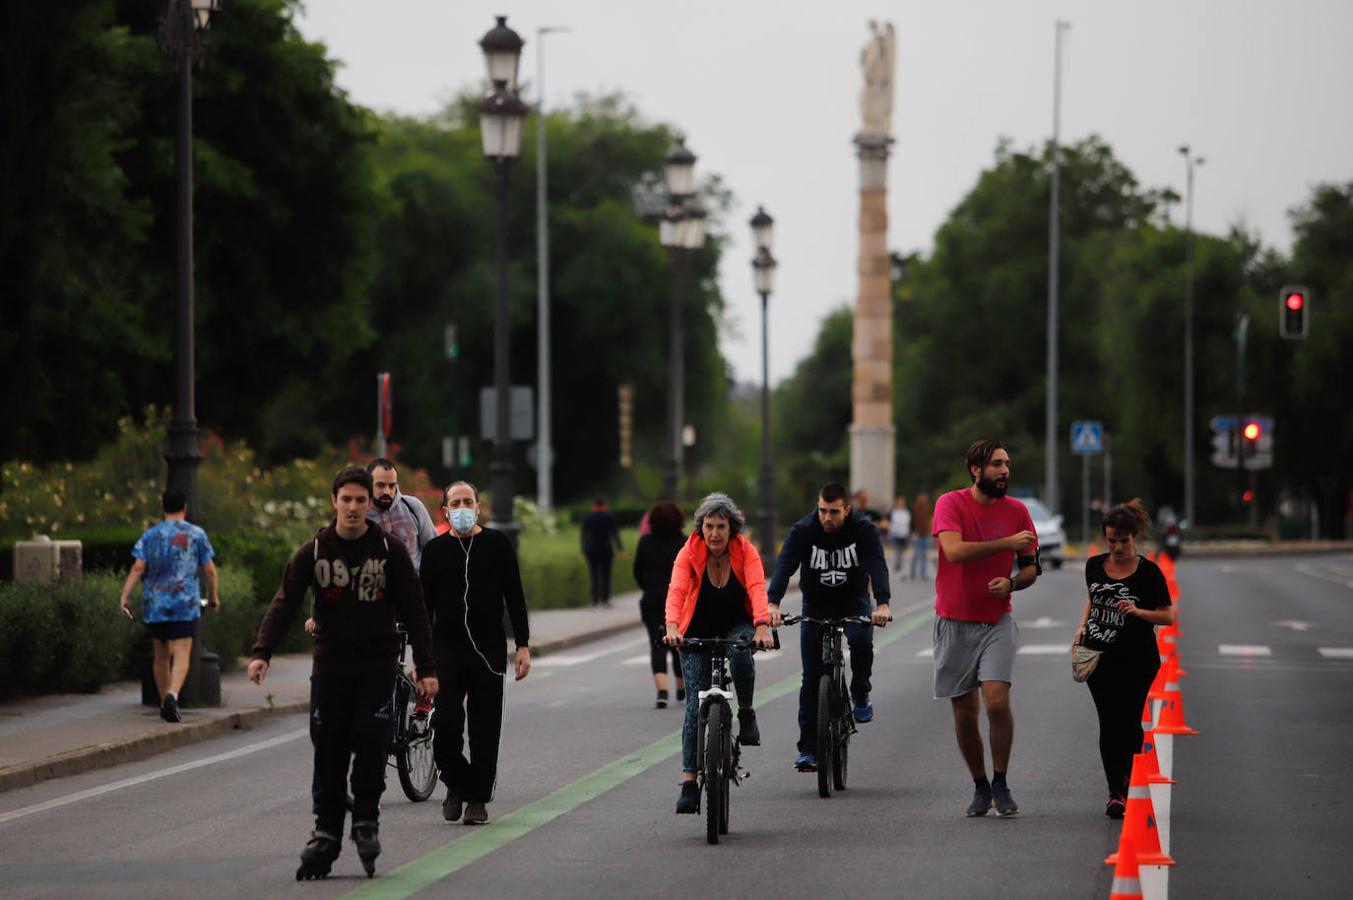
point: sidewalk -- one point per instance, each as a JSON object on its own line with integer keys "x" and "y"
{"x": 65, "y": 734}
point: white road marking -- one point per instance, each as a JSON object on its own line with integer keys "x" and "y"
{"x": 1294, "y": 625}
{"x": 928, "y": 651}
{"x": 152, "y": 776}
{"x": 1045, "y": 649}
{"x": 1336, "y": 652}
{"x": 1247, "y": 650}
{"x": 569, "y": 659}
{"x": 633, "y": 660}
{"x": 1042, "y": 622}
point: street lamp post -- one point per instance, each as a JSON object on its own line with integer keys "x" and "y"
{"x": 682, "y": 232}
{"x": 183, "y": 37}
{"x": 1190, "y": 163}
{"x": 763, "y": 274}
{"x": 501, "y": 114}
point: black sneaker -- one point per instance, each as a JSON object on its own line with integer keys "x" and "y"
{"x": 981, "y": 801}
{"x": 661, "y": 702}
{"x": 688, "y": 804}
{"x": 476, "y": 813}
{"x": 748, "y": 734}
{"x": 451, "y": 806}
{"x": 1116, "y": 807}
{"x": 1005, "y": 804}
{"x": 169, "y": 709}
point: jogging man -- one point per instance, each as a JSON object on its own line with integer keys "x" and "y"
{"x": 470, "y": 577}
{"x": 839, "y": 555}
{"x": 363, "y": 581}
{"x": 982, "y": 535}
{"x": 169, "y": 557}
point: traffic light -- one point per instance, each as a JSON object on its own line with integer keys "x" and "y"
{"x": 1293, "y": 303}
{"x": 1252, "y": 432}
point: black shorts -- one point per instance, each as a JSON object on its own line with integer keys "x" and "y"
{"x": 172, "y": 631}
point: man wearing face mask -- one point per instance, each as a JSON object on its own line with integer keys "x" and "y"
{"x": 470, "y": 575}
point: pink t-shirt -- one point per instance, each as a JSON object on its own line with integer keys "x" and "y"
{"x": 961, "y": 588}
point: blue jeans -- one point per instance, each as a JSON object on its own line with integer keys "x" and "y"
{"x": 920, "y": 554}
{"x": 697, "y": 668}
{"x": 860, "y": 639}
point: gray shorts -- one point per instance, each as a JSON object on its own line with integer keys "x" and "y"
{"x": 969, "y": 653}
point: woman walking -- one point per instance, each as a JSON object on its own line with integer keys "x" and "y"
{"x": 922, "y": 519}
{"x": 1127, "y": 599}
{"x": 718, "y": 590}
{"x": 653, "y": 560}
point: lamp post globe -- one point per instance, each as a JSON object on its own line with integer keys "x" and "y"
{"x": 502, "y": 53}
{"x": 679, "y": 171}
{"x": 682, "y": 232}
{"x": 763, "y": 229}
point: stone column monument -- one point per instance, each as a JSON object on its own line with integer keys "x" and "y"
{"x": 872, "y": 435}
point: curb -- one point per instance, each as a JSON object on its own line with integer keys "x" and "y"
{"x": 144, "y": 746}
{"x": 102, "y": 756}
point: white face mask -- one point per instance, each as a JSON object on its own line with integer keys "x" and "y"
{"x": 463, "y": 519}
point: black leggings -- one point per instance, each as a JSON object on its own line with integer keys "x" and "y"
{"x": 657, "y": 651}
{"x": 1119, "y": 687}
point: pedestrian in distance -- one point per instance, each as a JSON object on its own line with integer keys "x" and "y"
{"x": 169, "y": 558}
{"x": 600, "y": 542}
{"x": 899, "y": 531}
{"x": 363, "y": 581}
{"x": 983, "y": 535}
{"x": 470, "y": 578}
{"x": 653, "y": 558}
{"x": 717, "y": 590}
{"x": 839, "y": 556}
{"x": 1128, "y": 598}
{"x": 922, "y": 518}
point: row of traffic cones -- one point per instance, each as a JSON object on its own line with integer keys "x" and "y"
{"x": 1145, "y": 838}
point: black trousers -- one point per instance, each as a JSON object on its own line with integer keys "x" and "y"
{"x": 599, "y": 567}
{"x": 1119, "y": 686}
{"x": 469, "y": 695}
{"x": 860, "y": 640}
{"x": 657, "y": 650}
{"x": 351, "y": 726}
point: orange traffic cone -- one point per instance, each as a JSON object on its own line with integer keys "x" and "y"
{"x": 1154, "y": 775}
{"x": 1139, "y": 821}
{"x": 1172, "y": 712}
{"x": 1127, "y": 876}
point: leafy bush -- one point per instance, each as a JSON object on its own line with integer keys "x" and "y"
{"x": 554, "y": 573}
{"x": 72, "y": 637}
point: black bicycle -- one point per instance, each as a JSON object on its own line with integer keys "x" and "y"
{"x": 717, "y": 754}
{"x": 835, "y": 721}
{"x": 412, "y": 743}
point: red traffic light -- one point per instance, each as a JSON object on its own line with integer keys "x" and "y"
{"x": 1251, "y": 431}
{"x": 1248, "y": 496}
{"x": 1295, "y": 302}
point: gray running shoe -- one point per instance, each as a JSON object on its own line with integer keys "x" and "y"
{"x": 475, "y": 813}
{"x": 981, "y": 801}
{"x": 1005, "y": 804}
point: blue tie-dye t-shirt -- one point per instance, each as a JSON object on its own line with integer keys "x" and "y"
{"x": 173, "y": 552}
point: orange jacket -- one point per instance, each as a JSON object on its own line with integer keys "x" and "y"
{"x": 689, "y": 570}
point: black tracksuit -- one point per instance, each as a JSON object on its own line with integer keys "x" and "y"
{"x": 835, "y": 573}
{"x": 472, "y": 661}
{"x": 361, "y": 587}
{"x": 1122, "y": 678}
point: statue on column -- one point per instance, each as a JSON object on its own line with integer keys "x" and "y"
{"x": 879, "y": 61}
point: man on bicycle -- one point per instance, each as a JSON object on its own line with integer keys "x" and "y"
{"x": 362, "y": 580}
{"x": 839, "y": 556}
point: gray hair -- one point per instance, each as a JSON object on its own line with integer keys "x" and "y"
{"x": 719, "y": 504}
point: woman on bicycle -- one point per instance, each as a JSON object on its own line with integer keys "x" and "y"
{"x": 718, "y": 590}
{"x": 1128, "y": 597}
{"x": 653, "y": 560}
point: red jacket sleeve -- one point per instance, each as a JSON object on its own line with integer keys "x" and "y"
{"x": 679, "y": 588}
{"x": 754, "y": 580}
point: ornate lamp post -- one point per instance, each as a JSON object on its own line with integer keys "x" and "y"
{"x": 763, "y": 274}
{"x": 1191, "y": 161}
{"x": 182, "y": 36}
{"x": 682, "y": 232}
{"x": 501, "y": 114}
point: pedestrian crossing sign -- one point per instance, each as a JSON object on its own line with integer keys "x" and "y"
{"x": 1087, "y": 438}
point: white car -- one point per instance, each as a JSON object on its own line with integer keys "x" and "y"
{"x": 1051, "y": 536}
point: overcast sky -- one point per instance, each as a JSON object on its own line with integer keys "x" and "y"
{"x": 768, "y": 98}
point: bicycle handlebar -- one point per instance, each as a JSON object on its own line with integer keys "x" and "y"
{"x": 737, "y": 643}
{"x": 847, "y": 620}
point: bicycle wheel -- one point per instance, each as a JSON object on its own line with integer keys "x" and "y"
{"x": 414, "y": 759}
{"x": 715, "y": 764}
{"x": 727, "y": 786}
{"x": 840, "y": 716}
{"x": 826, "y": 737}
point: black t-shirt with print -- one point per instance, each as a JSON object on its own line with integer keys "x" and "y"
{"x": 1112, "y": 631}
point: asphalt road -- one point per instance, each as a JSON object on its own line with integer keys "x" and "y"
{"x": 589, "y": 776}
